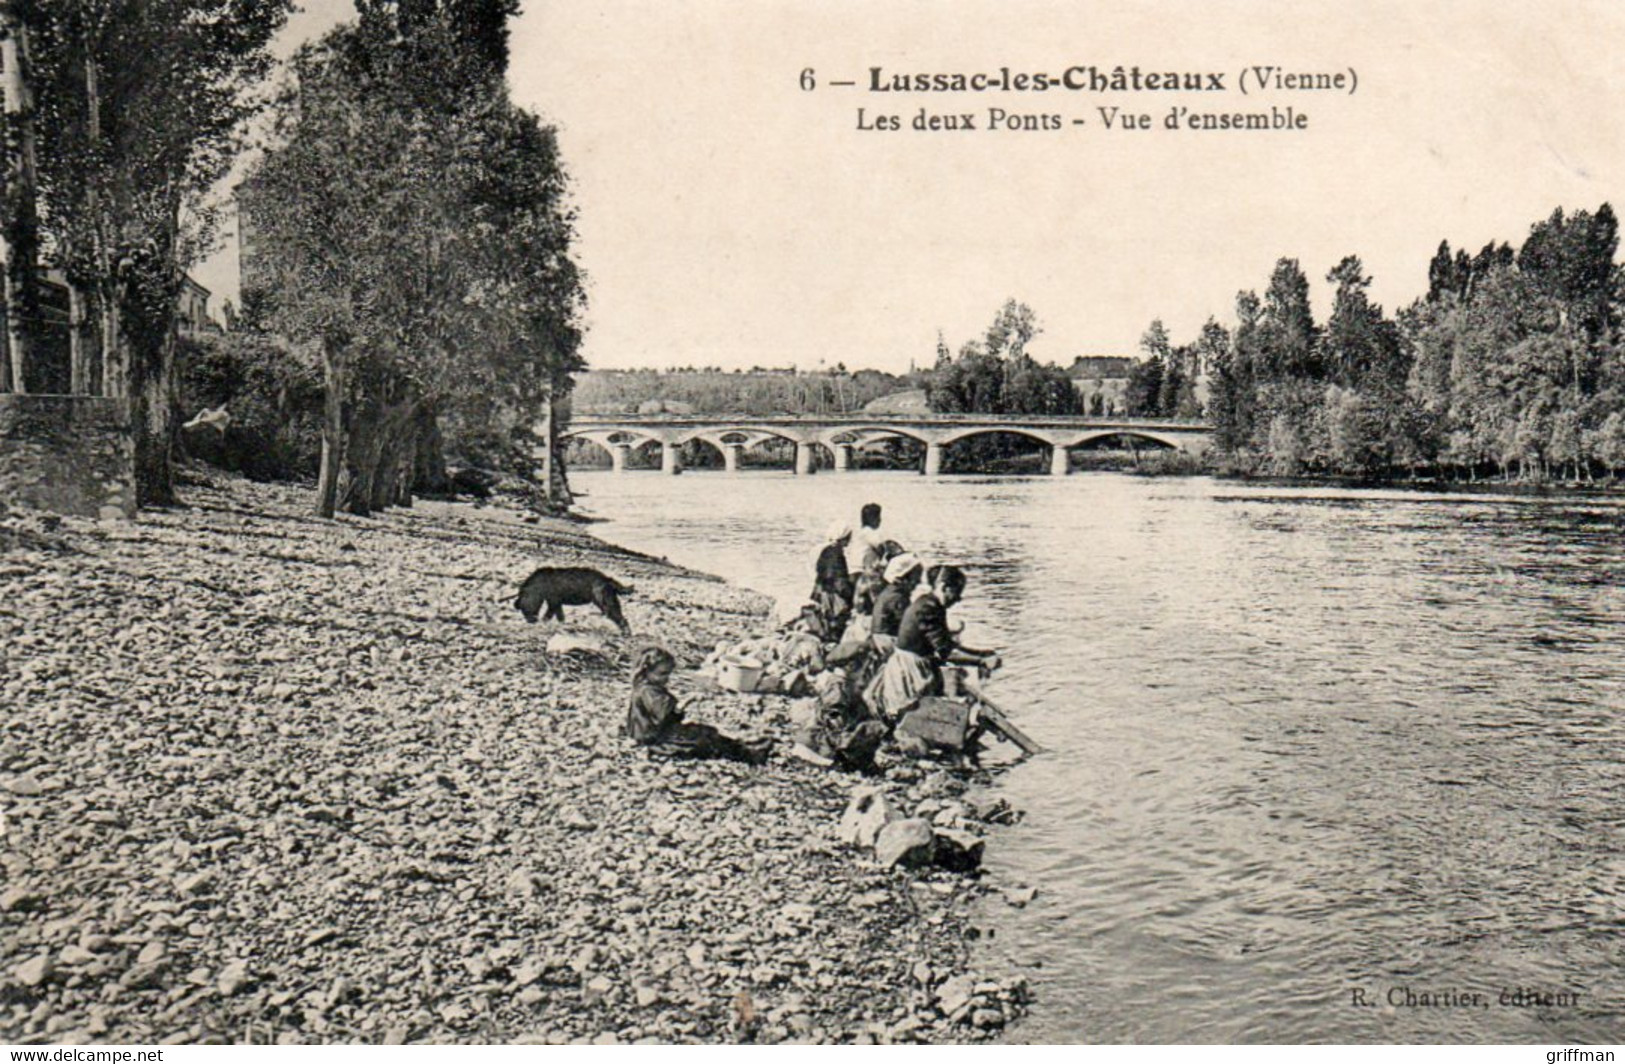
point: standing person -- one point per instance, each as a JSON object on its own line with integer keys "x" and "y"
{"x": 924, "y": 645}
{"x": 866, "y": 540}
{"x": 832, "y": 582}
{"x": 653, "y": 717}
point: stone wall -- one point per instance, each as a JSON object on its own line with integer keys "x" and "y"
{"x": 70, "y": 454}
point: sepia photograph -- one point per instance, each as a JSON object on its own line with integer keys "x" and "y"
{"x": 949, "y": 522}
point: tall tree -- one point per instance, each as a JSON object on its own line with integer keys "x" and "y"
{"x": 1360, "y": 348}
{"x": 440, "y": 51}
{"x": 1571, "y": 260}
{"x": 1443, "y": 277}
{"x": 1230, "y": 358}
{"x": 1250, "y": 364}
{"x": 1143, "y": 395}
{"x": 998, "y": 375}
{"x": 1287, "y": 327}
{"x": 1013, "y": 328}
{"x": 21, "y": 209}
{"x": 420, "y": 244}
{"x": 141, "y": 106}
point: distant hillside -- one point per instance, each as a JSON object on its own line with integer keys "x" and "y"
{"x": 1099, "y": 367}
{"x": 912, "y": 401}
{"x": 713, "y": 391}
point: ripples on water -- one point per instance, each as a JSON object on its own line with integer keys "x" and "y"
{"x": 1302, "y": 741}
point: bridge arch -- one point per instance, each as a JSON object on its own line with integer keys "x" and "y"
{"x": 1003, "y": 443}
{"x": 594, "y": 444}
{"x": 621, "y": 441}
{"x": 690, "y": 448}
{"x": 733, "y": 441}
{"x": 1049, "y": 439}
{"x": 756, "y": 434}
{"x": 632, "y": 437}
{"x": 855, "y": 435}
{"x": 1177, "y": 443}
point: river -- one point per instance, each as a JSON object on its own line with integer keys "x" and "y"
{"x": 1305, "y": 744}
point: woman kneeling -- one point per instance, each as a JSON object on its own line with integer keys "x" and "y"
{"x": 924, "y": 645}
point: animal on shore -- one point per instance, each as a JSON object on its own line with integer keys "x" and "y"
{"x": 548, "y": 590}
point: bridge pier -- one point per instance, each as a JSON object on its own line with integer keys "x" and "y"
{"x": 730, "y": 457}
{"x": 670, "y": 462}
{"x": 843, "y": 457}
{"x": 618, "y": 453}
{"x": 1060, "y": 462}
{"x": 804, "y": 459}
{"x": 933, "y": 459}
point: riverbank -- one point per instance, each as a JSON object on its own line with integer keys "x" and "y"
{"x": 1511, "y": 489}
{"x": 269, "y": 778}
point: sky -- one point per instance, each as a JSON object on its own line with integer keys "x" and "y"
{"x": 729, "y": 218}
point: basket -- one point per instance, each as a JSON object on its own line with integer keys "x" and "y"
{"x": 739, "y": 674}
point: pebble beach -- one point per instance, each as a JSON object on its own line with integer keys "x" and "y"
{"x": 267, "y": 778}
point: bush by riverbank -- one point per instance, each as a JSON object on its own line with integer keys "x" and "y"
{"x": 1231, "y": 468}
{"x": 266, "y": 777}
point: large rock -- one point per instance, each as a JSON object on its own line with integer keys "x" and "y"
{"x": 21, "y": 899}
{"x": 935, "y": 724}
{"x": 1020, "y": 897}
{"x": 35, "y": 971}
{"x": 575, "y": 643}
{"x": 956, "y": 993}
{"x": 908, "y": 843}
{"x": 232, "y": 978}
{"x": 869, "y": 811}
{"x": 958, "y": 851}
{"x": 991, "y": 810}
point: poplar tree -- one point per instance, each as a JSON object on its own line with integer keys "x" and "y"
{"x": 21, "y": 211}
{"x": 141, "y": 108}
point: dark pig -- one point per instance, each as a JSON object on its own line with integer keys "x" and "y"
{"x": 549, "y": 590}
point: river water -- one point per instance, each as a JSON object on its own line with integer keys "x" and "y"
{"x": 1304, "y": 743}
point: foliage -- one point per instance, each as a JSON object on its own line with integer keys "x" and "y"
{"x": 275, "y": 403}
{"x": 141, "y": 108}
{"x": 715, "y": 391}
{"x": 1287, "y": 327}
{"x": 416, "y": 243}
{"x": 1145, "y": 392}
{"x": 996, "y": 375}
{"x": 1216, "y": 360}
{"x": 1510, "y": 363}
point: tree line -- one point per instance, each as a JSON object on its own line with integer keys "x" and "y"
{"x": 415, "y": 242}
{"x": 120, "y": 116}
{"x": 409, "y": 288}
{"x": 1163, "y": 383}
{"x": 1511, "y": 364}
{"x": 996, "y": 374}
{"x": 715, "y": 391}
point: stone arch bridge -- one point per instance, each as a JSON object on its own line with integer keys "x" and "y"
{"x": 840, "y": 433}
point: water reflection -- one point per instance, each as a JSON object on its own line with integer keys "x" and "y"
{"x": 1304, "y": 741}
